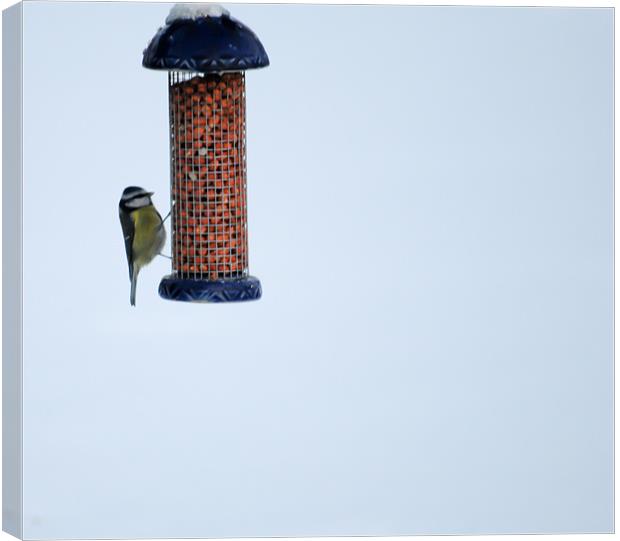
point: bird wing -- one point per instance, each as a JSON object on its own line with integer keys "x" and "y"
{"x": 128, "y": 233}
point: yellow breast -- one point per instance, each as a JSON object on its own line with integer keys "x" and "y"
{"x": 149, "y": 234}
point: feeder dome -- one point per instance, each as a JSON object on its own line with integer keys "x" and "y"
{"x": 204, "y": 38}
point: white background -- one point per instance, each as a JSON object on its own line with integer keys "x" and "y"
{"x": 311, "y": 265}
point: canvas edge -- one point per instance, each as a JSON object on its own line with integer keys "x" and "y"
{"x": 12, "y": 352}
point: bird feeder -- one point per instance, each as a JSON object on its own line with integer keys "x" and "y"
{"x": 206, "y": 54}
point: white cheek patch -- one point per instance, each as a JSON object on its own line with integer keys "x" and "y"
{"x": 139, "y": 202}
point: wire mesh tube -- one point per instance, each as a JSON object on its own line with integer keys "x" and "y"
{"x": 208, "y": 175}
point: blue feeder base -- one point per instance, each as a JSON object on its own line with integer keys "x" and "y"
{"x": 183, "y": 289}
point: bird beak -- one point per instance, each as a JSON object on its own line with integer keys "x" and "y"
{"x": 151, "y": 194}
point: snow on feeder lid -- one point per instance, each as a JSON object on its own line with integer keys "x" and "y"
{"x": 204, "y": 38}
{"x": 206, "y": 53}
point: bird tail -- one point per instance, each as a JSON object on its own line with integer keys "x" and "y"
{"x": 134, "y": 283}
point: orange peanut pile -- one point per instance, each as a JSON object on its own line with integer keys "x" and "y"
{"x": 209, "y": 219}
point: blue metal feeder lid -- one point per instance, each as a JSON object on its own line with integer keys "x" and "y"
{"x": 204, "y": 38}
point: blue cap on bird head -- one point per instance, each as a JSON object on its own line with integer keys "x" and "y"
{"x": 134, "y": 191}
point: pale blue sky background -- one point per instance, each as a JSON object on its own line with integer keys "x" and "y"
{"x": 430, "y": 195}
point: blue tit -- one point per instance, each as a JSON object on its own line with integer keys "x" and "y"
{"x": 143, "y": 230}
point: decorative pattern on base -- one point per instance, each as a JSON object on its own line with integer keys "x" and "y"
{"x": 186, "y": 290}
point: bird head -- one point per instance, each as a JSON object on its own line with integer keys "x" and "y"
{"x": 134, "y": 198}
